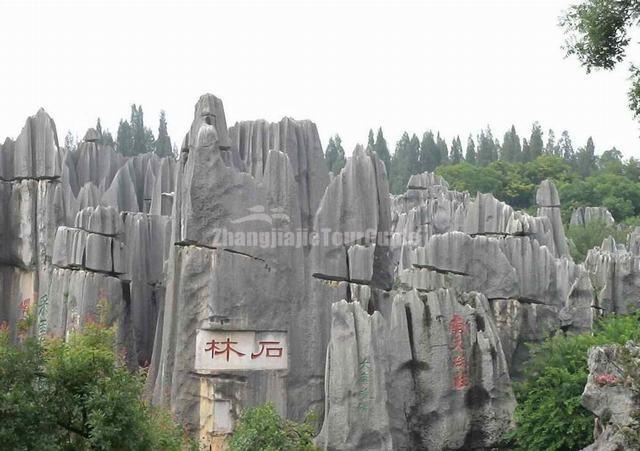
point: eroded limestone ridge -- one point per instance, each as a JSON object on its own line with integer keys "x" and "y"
{"x": 242, "y": 272}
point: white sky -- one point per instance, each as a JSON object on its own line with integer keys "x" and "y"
{"x": 453, "y": 66}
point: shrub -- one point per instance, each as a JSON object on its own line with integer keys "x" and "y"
{"x": 77, "y": 395}
{"x": 549, "y": 414}
{"x": 592, "y": 234}
{"x": 261, "y": 429}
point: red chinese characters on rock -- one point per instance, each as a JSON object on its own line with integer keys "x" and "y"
{"x": 268, "y": 349}
{"x": 457, "y": 328}
{"x": 272, "y": 350}
{"x": 228, "y": 349}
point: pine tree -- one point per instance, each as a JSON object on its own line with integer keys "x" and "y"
{"x": 535, "y": 143}
{"x": 586, "y": 160}
{"x": 70, "y": 143}
{"x": 526, "y": 151}
{"x": 124, "y": 138}
{"x": 511, "y": 149}
{"x": 335, "y": 155}
{"x": 443, "y": 150}
{"x": 382, "y": 150}
{"x": 551, "y": 148}
{"x": 565, "y": 147}
{"x": 470, "y": 154}
{"x": 99, "y": 130}
{"x": 487, "y": 148}
{"x": 404, "y": 162}
{"x": 429, "y": 153}
{"x": 370, "y": 141}
{"x": 163, "y": 143}
{"x": 456, "y": 151}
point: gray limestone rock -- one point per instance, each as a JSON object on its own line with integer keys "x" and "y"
{"x": 583, "y": 215}
{"x": 357, "y": 373}
{"x": 252, "y": 141}
{"x": 609, "y": 397}
{"x": 615, "y": 277}
{"x": 549, "y": 205}
{"x": 450, "y": 387}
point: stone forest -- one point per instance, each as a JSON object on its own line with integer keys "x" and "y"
{"x": 244, "y": 272}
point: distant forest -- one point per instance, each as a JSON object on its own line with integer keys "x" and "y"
{"x": 133, "y": 137}
{"x": 513, "y": 168}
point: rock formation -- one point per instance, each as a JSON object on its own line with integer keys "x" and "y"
{"x": 243, "y": 273}
{"x": 609, "y": 396}
{"x": 69, "y": 250}
{"x": 584, "y": 215}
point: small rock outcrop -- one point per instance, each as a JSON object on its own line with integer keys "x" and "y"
{"x": 610, "y": 397}
{"x": 582, "y": 216}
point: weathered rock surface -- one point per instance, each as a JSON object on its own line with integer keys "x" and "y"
{"x": 549, "y": 205}
{"x": 610, "y": 398}
{"x": 356, "y": 415}
{"x": 584, "y": 215}
{"x": 405, "y": 316}
{"x": 615, "y": 276}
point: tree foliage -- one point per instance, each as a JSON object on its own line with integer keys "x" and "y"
{"x": 163, "y": 143}
{"x": 334, "y": 155}
{"x": 77, "y": 395}
{"x": 549, "y": 414}
{"x": 585, "y": 237}
{"x": 133, "y": 137}
{"x": 598, "y": 33}
{"x": 261, "y": 428}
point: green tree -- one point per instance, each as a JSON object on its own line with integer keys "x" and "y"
{"x": 611, "y": 161}
{"x": 124, "y": 138}
{"x": 585, "y": 237}
{"x": 456, "y": 151}
{"x": 535, "y": 142}
{"x": 370, "y": 141}
{"x": 598, "y": 33}
{"x": 163, "y": 143}
{"x": 382, "y": 150}
{"x": 511, "y": 149}
{"x": 586, "y": 160}
{"x": 443, "y": 150}
{"x": 78, "y": 395}
{"x": 475, "y": 179}
{"x": 487, "y": 148}
{"x": 549, "y": 414}
{"x": 565, "y": 147}
{"x": 404, "y": 163}
{"x": 334, "y": 155}
{"x": 551, "y": 148}
{"x": 470, "y": 154}
{"x": 261, "y": 428}
{"x": 70, "y": 142}
{"x": 430, "y": 157}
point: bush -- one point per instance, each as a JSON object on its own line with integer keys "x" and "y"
{"x": 261, "y": 429}
{"x": 592, "y": 234}
{"x": 77, "y": 395}
{"x": 549, "y": 414}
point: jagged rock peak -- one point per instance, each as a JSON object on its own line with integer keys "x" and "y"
{"x": 547, "y": 194}
{"x": 91, "y": 135}
{"x": 209, "y": 110}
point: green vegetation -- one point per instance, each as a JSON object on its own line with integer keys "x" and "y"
{"x": 513, "y": 169}
{"x": 261, "y": 428}
{"x": 592, "y": 234}
{"x": 134, "y": 138}
{"x": 77, "y": 395}
{"x": 549, "y": 415}
{"x": 335, "y": 155}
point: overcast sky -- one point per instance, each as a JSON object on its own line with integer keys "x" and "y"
{"x": 452, "y": 66}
